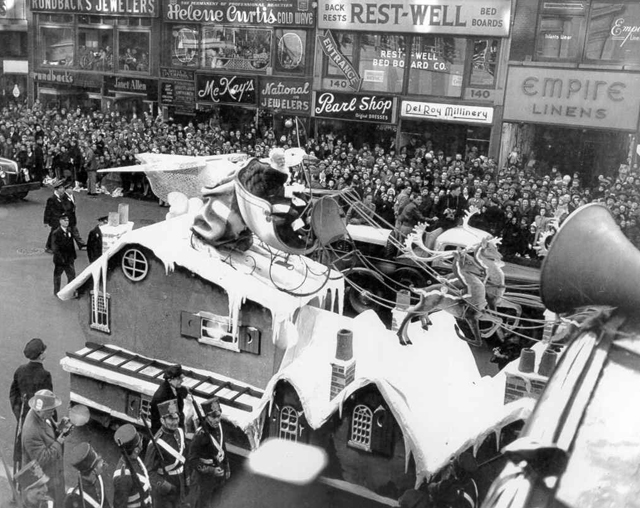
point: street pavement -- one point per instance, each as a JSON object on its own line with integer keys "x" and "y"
{"x": 30, "y": 309}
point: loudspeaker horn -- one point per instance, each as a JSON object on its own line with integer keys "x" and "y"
{"x": 590, "y": 262}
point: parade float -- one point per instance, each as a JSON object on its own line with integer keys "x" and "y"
{"x": 258, "y": 324}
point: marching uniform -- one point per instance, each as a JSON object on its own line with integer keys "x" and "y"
{"x": 207, "y": 459}
{"x": 89, "y": 492}
{"x": 33, "y": 488}
{"x": 130, "y": 491}
{"x": 166, "y": 461}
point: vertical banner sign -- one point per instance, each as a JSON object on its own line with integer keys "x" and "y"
{"x": 331, "y": 49}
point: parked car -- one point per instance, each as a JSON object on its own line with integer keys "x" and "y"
{"x": 13, "y": 182}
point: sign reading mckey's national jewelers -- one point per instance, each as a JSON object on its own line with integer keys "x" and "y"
{"x": 140, "y": 8}
{"x": 451, "y": 17}
{"x": 243, "y": 12}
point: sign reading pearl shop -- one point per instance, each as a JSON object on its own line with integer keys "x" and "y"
{"x": 362, "y": 108}
{"x": 226, "y": 89}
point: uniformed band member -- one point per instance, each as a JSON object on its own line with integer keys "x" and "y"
{"x": 27, "y": 380}
{"x": 33, "y": 487}
{"x": 130, "y": 491}
{"x": 94, "y": 240}
{"x": 89, "y": 492}
{"x": 207, "y": 458}
{"x": 170, "y": 389}
{"x": 165, "y": 459}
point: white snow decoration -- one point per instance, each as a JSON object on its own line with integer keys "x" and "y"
{"x": 179, "y": 204}
{"x": 194, "y": 205}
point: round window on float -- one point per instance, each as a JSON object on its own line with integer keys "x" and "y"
{"x": 135, "y": 265}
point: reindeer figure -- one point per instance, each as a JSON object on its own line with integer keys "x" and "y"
{"x": 467, "y": 304}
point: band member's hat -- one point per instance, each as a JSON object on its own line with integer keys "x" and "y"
{"x": 84, "y": 458}
{"x": 211, "y": 406}
{"x": 127, "y": 437}
{"x": 34, "y": 348}
{"x": 173, "y": 372}
{"x": 31, "y": 476}
{"x": 168, "y": 408}
{"x": 44, "y": 400}
{"x": 56, "y": 183}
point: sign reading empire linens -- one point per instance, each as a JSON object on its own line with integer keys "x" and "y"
{"x": 367, "y": 108}
{"x": 229, "y": 89}
{"x": 451, "y": 17}
{"x": 282, "y": 12}
{"x": 578, "y": 98}
{"x": 140, "y": 8}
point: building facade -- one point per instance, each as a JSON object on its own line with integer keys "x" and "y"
{"x": 572, "y": 87}
{"x": 14, "y": 51}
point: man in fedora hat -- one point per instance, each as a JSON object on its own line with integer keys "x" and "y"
{"x": 207, "y": 459}
{"x": 27, "y": 380}
{"x": 90, "y": 491}
{"x": 33, "y": 487}
{"x": 165, "y": 459}
{"x": 170, "y": 389}
{"x": 42, "y": 440}
{"x": 131, "y": 485}
{"x": 64, "y": 253}
{"x": 54, "y": 208}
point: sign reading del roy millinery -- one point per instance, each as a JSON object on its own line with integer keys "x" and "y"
{"x": 226, "y": 89}
{"x": 365, "y": 108}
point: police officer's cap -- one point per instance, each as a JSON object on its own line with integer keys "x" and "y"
{"x": 34, "y": 348}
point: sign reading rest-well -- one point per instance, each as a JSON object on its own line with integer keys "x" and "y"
{"x": 577, "y": 98}
{"x": 451, "y": 17}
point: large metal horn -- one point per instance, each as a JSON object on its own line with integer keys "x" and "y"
{"x": 590, "y": 262}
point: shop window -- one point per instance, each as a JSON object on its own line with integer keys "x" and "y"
{"x": 13, "y": 44}
{"x": 133, "y": 54}
{"x": 291, "y": 50}
{"x": 56, "y": 46}
{"x": 484, "y": 62}
{"x": 345, "y": 41}
{"x": 99, "y": 315}
{"x": 361, "y": 427}
{"x": 382, "y": 62}
{"x": 135, "y": 265}
{"x": 56, "y": 18}
{"x": 289, "y": 423}
{"x": 216, "y": 330}
{"x": 96, "y": 20}
{"x": 246, "y": 49}
{"x": 436, "y": 65}
{"x": 95, "y": 49}
{"x": 184, "y": 45}
{"x": 560, "y": 31}
{"x": 612, "y": 35}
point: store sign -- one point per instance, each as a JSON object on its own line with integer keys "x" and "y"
{"x": 139, "y": 8}
{"x": 451, "y": 17}
{"x": 446, "y": 112}
{"x": 625, "y": 33}
{"x": 596, "y": 99}
{"x": 226, "y": 89}
{"x": 366, "y": 108}
{"x": 182, "y": 74}
{"x": 52, "y": 76}
{"x": 138, "y": 86}
{"x": 286, "y": 94}
{"x": 282, "y": 12}
{"x": 179, "y": 94}
{"x": 332, "y": 50}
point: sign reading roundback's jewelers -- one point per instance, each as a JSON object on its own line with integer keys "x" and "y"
{"x": 365, "y": 108}
{"x": 242, "y": 12}
{"x": 139, "y": 8}
{"x": 229, "y": 89}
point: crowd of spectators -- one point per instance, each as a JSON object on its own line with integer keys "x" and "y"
{"x": 521, "y": 201}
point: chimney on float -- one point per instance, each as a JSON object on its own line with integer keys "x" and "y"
{"x": 343, "y": 366}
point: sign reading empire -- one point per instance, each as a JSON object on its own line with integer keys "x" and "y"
{"x": 453, "y": 17}
{"x": 142, "y": 8}
{"x": 284, "y": 12}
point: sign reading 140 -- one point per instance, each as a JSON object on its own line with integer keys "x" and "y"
{"x": 482, "y": 94}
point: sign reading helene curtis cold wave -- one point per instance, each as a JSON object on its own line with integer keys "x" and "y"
{"x": 140, "y": 8}
{"x": 451, "y": 17}
{"x": 365, "y": 108}
{"x": 226, "y": 89}
{"x": 286, "y": 94}
{"x": 229, "y": 12}
{"x": 595, "y": 99}
{"x": 446, "y": 112}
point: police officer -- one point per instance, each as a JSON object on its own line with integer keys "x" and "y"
{"x": 131, "y": 485}
{"x": 89, "y": 492}
{"x": 207, "y": 458}
{"x": 170, "y": 389}
{"x": 165, "y": 459}
{"x": 33, "y": 487}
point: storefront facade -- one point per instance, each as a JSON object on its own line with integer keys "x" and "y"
{"x": 251, "y": 64}
{"x": 80, "y": 48}
{"x": 442, "y": 62}
{"x": 572, "y": 87}
{"x": 14, "y": 52}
